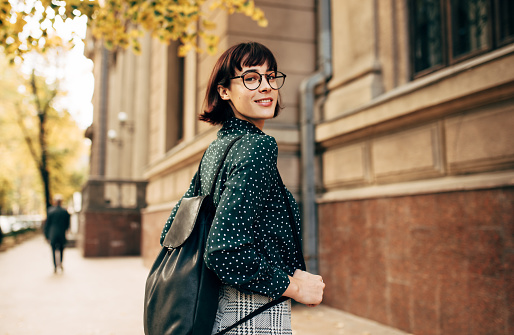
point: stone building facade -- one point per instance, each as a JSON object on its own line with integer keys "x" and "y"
{"x": 413, "y": 149}
{"x": 416, "y": 141}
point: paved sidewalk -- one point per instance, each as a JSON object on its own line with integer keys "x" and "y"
{"x": 105, "y": 296}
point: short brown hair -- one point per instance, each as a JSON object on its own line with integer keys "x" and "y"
{"x": 217, "y": 110}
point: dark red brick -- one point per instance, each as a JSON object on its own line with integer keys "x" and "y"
{"x": 509, "y": 289}
{"x": 487, "y": 305}
{"x": 455, "y": 305}
{"x": 378, "y": 306}
{"x": 399, "y": 269}
{"x": 400, "y": 306}
{"x": 486, "y": 253}
{"x": 425, "y": 295}
{"x": 358, "y": 295}
{"x": 452, "y": 252}
{"x": 115, "y": 233}
{"x": 424, "y": 245}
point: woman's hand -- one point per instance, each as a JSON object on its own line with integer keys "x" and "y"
{"x": 305, "y": 288}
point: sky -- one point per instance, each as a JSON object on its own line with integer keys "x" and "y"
{"x": 73, "y": 70}
{"x": 78, "y": 79}
{"x": 79, "y": 82}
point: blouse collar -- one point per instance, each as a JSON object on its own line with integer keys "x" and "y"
{"x": 235, "y": 126}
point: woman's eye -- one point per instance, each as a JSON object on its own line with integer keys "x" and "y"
{"x": 250, "y": 79}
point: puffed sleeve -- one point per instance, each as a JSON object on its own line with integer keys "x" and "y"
{"x": 231, "y": 251}
{"x": 189, "y": 193}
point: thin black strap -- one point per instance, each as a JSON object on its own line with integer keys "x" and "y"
{"x": 254, "y": 314}
{"x": 220, "y": 165}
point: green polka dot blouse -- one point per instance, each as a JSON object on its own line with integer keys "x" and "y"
{"x": 251, "y": 244}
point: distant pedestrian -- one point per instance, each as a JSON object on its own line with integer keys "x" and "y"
{"x": 57, "y": 223}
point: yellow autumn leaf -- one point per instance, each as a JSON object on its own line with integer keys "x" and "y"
{"x": 209, "y": 25}
{"x": 184, "y": 49}
{"x": 19, "y": 25}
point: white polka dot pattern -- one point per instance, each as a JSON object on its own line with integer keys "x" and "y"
{"x": 251, "y": 245}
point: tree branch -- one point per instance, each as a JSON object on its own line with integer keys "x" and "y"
{"x": 34, "y": 91}
{"x": 27, "y": 137}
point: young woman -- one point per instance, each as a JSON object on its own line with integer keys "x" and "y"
{"x": 251, "y": 246}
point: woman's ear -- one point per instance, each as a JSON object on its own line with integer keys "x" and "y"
{"x": 223, "y": 92}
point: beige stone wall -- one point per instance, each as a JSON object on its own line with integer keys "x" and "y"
{"x": 479, "y": 140}
{"x": 152, "y": 231}
{"x": 127, "y": 92}
{"x": 114, "y": 149}
{"x": 96, "y": 55}
{"x": 453, "y": 122}
{"x": 141, "y": 110}
{"x": 157, "y": 112}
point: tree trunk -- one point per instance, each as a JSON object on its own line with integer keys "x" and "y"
{"x": 43, "y": 167}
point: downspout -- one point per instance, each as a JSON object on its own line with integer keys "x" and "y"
{"x": 308, "y": 140}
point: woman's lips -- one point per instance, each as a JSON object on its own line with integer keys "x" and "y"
{"x": 264, "y": 102}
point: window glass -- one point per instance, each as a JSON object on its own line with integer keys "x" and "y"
{"x": 428, "y": 41}
{"x": 506, "y": 20}
{"x": 445, "y": 32}
{"x": 470, "y": 26}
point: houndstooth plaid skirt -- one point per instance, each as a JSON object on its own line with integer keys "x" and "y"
{"x": 234, "y": 305}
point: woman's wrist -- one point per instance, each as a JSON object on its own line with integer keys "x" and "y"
{"x": 293, "y": 289}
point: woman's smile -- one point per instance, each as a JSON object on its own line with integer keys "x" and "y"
{"x": 266, "y": 102}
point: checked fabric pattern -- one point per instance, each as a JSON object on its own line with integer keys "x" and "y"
{"x": 234, "y": 305}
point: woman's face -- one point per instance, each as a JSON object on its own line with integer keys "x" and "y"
{"x": 253, "y": 106}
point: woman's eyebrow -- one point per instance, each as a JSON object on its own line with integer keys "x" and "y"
{"x": 251, "y": 70}
{"x": 256, "y": 70}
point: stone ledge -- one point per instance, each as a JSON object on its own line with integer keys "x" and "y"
{"x": 446, "y": 184}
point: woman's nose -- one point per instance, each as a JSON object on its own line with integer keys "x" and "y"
{"x": 265, "y": 86}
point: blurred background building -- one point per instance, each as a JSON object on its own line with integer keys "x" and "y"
{"x": 397, "y": 138}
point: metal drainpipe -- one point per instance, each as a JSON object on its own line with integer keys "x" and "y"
{"x": 308, "y": 141}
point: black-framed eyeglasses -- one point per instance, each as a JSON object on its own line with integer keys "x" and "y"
{"x": 252, "y": 79}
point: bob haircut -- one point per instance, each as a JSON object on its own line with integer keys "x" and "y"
{"x": 217, "y": 110}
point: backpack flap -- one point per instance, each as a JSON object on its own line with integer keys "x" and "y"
{"x": 184, "y": 222}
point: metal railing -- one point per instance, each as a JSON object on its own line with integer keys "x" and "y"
{"x": 113, "y": 194}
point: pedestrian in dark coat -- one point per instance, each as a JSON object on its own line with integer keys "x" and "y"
{"x": 57, "y": 223}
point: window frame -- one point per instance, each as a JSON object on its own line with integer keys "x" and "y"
{"x": 450, "y": 33}
{"x": 412, "y": 39}
{"x": 493, "y": 37}
{"x": 497, "y": 26}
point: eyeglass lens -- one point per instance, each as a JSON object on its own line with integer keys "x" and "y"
{"x": 252, "y": 80}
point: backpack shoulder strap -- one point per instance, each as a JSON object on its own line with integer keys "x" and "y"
{"x": 220, "y": 165}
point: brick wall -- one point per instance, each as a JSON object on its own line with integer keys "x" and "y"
{"x": 112, "y": 233}
{"x": 427, "y": 264}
